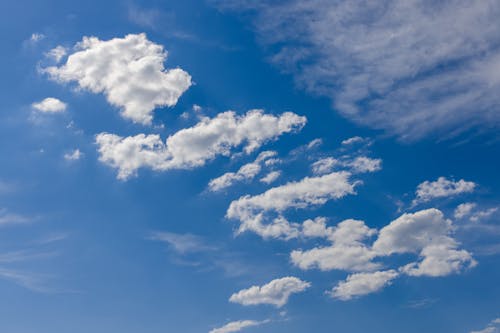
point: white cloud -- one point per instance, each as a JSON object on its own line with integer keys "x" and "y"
{"x": 271, "y": 177}
{"x": 427, "y": 233}
{"x": 181, "y": 243}
{"x": 75, "y": 155}
{"x": 193, "y": 147}
{"x": 352, "y": 140}
{"x": 493, "y": 327}
{"x": 483, "y": 214}
{"x": 246, "y": 172}
{"x": 36, "y": 37}
{"x": 251, "y": 211}
{"x": 57, "y": 53}
{"x": 324, "y": 165}
{"x": 236, "y": 326}
{"x": 441, "y": 188}
{"x": 7, "y": 218}
{"x": 464, "y": 209}
{"x": 129, "y": 71}
{"x": 347, "y": 251}
{"x": 50, "y": 105}
{"x": 366, "y": 164}
{"x": 409, "y": 67}
{"x": 275, "y": 292}
{"x": 360, "y": 284}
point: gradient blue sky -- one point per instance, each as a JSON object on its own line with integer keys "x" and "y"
{"x": 84, "y": 251}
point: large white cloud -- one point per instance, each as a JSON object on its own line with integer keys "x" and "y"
{"x": 413, "y": 68}
{"x": 441, "y": 188}
{"x": 428, "y": 234}
{"x": 236, "y": 326}
{"x": 129, "y": 71}
{"x": 276, "y": 292}
{"x": 193, "y": 147}
{"x": 360, "y": 284}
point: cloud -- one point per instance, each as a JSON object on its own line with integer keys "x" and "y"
{"x": 50, "y": 105}
{"x": 74, "y": 155}
{"x": 129, "y": 71}
{"x": 427, "y": 233}
{"x": 483, "y": 214}
{"x": 7, "y": 218}
{"x": 360, "y": 284}
{"x": 365, "y": 164}
{"x": 57, "y": 53}
{"x": 324, "y": 165}
{"x": 271, "y": 177}
{"x": 442, "y": 188}
{"x": 464, "y": 209}
{"x": 36, "y": 37}
{"x": 252, "y": 211}
{"x": 182, "y": 243}
{"x": 236, "y": 326}
{"x": 347, "y": 251}
{"x": 275, "y": 292}
{"x": 493, "y": 327}
{"x": 193, "y": 147}
{"x": 353, "y": 140}
{"x": 360, "y": 164}
{"x": 246, "y": 172}
{"x": 411, "y": 68}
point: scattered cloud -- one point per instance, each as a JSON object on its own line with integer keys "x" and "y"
{"x": 409, "y": 68}
{"x": 193, "y": 147}
{"x": 74, "y": 155}
{"x": 353, "y": 140}
{"x": 493, "y": 327}
{"x": 275, "y": 292}
{"x": 7, "y": 218}
{"x": 236, "y": 326}
{"x": 36, "y": 37}
{"x": 182, "y": 243}
{"x": 245, "y": 173}
{"x": 129, "y": 71}
{"x": 50, "y": 105}
{"x": 57, "y": 53}
{"x": 360, "y": 284}
{"x": 442, "y": 188}
{"x": 324, "y": 165}
{"x": 464, "y": 209}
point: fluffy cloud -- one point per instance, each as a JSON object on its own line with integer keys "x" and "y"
{"x": 236, "y": 326}
{"x": 347, "y": 251}
{"x": 246, "y": 172}
{"x": 441, "y": 188}
{"x": 426, "y": 233}
{"x": 129, "y": 71}
{"x": 360, "y": 164}
{"x": 412, "y": 68}
{"x": 193, "y": 147}
{"x": 50, "y": 105}
{"x": 324, "y": 165}
{"x": 493, "y": 327}
{"x": 275, "y": 292}
{"x": 57, "y": 53}
{"x": 360, "y": 284}
{"x": 365, "y": 164}
{"x": 464, "y": 209}
{"x": 252, "y": 211}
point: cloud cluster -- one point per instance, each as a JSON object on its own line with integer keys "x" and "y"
{"x": 193, "y": 147}
{"x": 360, "y": 164}
{"x": 413, "y": 68}
{"x": 129, "y": 71}
{"x": 275, "y": 292}
{"x": 253, "y": 211}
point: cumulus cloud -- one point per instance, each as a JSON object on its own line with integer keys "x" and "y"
{"x": 129, "y": 71}
{"x": 360, "y": 164}
{"x": 193, "y": 147}
{"x": 50, "y": 105}
{"x": 360, "y": 284}
{"x": 253, "y": 211}
{"x": 411, "y": 68}
{"x": 276, "y": 292}
{"x": 246, "y": 172}
{"x": 352, "y": 140}
{"x": 464, "y": 209}
{"x": 428, "y": 234}
{"x": 236, "y": 326}
{"x": 347, "y": 251}
{"x": 324, "y": 165}
{"x": 57, "y": 53}
{"x": 271, "y": 177}
{"x": 442, "y": 188}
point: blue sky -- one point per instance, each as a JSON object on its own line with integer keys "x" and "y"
{"x": 286, "y": 167}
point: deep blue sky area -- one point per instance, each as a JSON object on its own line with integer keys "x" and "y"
{"x": 82, "y": 250}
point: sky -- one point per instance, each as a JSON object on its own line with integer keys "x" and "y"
{"x": 258, "y": 166}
